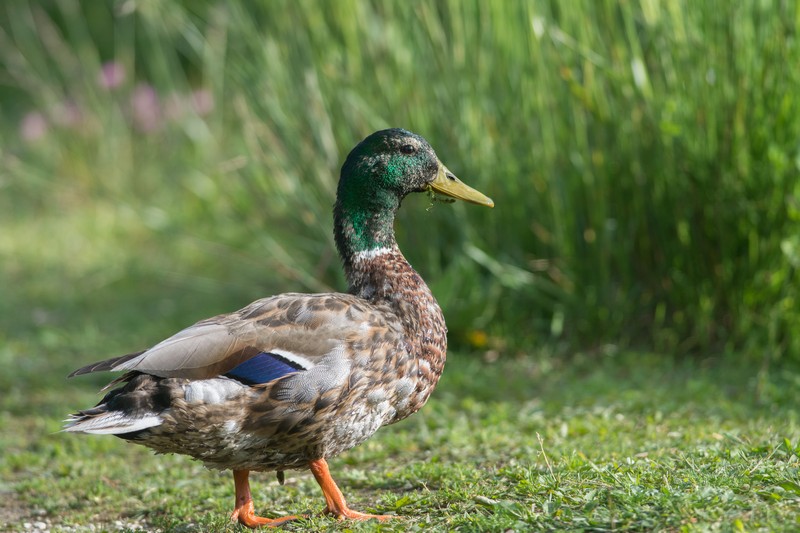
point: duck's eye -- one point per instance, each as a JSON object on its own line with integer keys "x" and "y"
{"x": 408, "y": 149}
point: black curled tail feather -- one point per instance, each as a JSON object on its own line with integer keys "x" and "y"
{"x": 125, "y": 411}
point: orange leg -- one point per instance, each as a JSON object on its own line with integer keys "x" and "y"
{"x": 244, "y": 511}
{"x": 336, "y": 505}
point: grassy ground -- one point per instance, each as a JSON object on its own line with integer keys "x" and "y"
{"x": 613, "y": 442}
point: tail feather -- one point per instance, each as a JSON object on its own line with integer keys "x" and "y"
{"x": 109, "y": 422}
{"x": 134, "y": 407}
{"x": 107, "y": 364}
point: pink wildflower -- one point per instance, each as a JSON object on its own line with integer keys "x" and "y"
{"x": 33, "y": 126}
{"x": 146, "y": 108}
{"x": 111, "y": 75}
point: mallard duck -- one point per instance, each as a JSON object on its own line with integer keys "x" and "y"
{"x": 294, "y": 379}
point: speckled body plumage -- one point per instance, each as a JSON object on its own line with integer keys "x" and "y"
{"x": 369, "y": 381}
{"x": 293, "y": 379}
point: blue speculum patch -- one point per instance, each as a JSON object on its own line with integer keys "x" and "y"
{"x": 263, "y": 368}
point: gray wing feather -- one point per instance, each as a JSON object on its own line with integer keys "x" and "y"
{"x": 312, "y": 326}
{"x": 189, "y": 353}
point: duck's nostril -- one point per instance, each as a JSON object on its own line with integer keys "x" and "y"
{"x": 450, "y": 176}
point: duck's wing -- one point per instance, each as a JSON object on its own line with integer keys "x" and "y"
{"x": 269, "y": 337}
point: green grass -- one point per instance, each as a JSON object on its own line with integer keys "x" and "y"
{"x": 620, "y": 441}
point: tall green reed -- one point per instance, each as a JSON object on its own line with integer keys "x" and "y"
{"x": 643, "y": 156}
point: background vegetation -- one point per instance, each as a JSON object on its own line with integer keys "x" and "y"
{"x": 643, "y": 157}
{"x": 161, "y": 162}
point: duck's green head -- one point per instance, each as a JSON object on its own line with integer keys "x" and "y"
{"x": 377, "y": 174}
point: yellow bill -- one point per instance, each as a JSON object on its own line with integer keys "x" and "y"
{"x": 447, "y": 184}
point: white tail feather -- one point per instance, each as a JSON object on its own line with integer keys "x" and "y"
{"x": 111, "y": 423}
